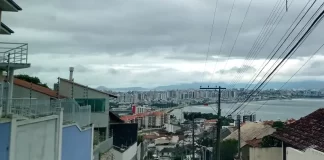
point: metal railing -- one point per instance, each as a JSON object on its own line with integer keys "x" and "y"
{"x": 13, "y": 52}
{"x": 31, "y": 108}
{"x": 34, "y": 108}
{"x": 74, "y": 113}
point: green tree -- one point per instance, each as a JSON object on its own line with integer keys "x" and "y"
{"x": 269, "y": 141}
{"x": 278, "y": 124}
{"x": 139, "y": 139}
{"x": 34, "y": 80}
{"x": 228, "y": 149}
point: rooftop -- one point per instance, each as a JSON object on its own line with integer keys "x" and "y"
{"x": 5, "y": 29}
{"x": 35, "y": 87}
{"x": 16, "y": 54}
{"x": 252, "y": 130}
{"x": 66, "y": 80}
{"x": 305, "y": 132}
{"x": 9, "y": 5}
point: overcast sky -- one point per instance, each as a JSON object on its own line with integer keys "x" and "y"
{"x": 147, "y": 43}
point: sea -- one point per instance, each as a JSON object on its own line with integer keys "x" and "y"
{"x": 264, "y": 110}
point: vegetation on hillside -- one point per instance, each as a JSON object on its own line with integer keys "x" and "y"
{"x": 193, "y": 115}
{"x": 34, "y": 80}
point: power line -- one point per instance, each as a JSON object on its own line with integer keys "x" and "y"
{"x": 210, "y": 38}
{"x": 224, "y": 35}
{"x": 284, "y": 42}
{"x": 257, "y": 42}
{"x": 293, "y": 75}
{"x": 238, "y": 34}
{"x": 264, "y": 65}
{"x": 293, "y": 49}
{"x": 286, "y": 50}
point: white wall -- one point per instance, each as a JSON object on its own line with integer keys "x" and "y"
{"x": 138, "y": 153}
{"x": 36, "y": 139}
{"x": 171, "y": 128}
{"x": 126, "y": 155}
{"x": 158, "y": 121}
{"x": 274, "y": 153}
{"x": 309, "y": 154}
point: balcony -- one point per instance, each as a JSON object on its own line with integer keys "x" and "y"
{"x": 9, "y": 6}
{"x": 26, "y": 108}
{"x": 13, "y": 55}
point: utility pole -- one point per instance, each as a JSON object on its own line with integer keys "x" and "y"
{"x": 219, "y": 121}
{"x": 239, "y": 136}
{"x": 193, "y": 136}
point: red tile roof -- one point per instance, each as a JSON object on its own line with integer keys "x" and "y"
{"x": 36, "y": 88}
{"x": 141, "y": 115}
{"x": 128, "y": 117}
{"x": 211, "y": 121}
{"x": 305, "y": 132}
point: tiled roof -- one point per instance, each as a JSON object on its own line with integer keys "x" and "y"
{"x": 211, "y": 121}
{"x": 36, "y": 88}
{"x": 66, "y": 80}
{"x": 128, "y": 117}
{"x": 305, "y": 132}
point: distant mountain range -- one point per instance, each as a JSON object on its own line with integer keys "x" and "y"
{"x": 271, "y": 85}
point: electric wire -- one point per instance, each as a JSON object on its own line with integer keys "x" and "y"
{"x": 293, "y": 49}
{"x": 259, "y": 39}
{"x": 210, "y": 39}
{"x": 238, "y": 34}
{"x": 311, "y": 57}
{"x": 224, "y": 36}
{"x": 283, "y": 42}
{"x": 293, "y": 41}
{"x": 273, "y": 54}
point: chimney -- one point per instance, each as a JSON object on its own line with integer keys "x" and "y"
{"x": 71, "y": 73}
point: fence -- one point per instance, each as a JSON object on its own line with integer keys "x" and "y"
{"x": 31, "y": 108}
{"x": 34, "y": 108}
{"x": 14, "y": 53}
{"x": 74, "y": 113}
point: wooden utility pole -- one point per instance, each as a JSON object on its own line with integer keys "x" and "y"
{"x": 239, "y": 136}
{"x": 219, "y": 121}
{"x": 193, "y": 136}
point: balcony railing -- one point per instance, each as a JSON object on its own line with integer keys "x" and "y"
{"x": 74, "y": 113}
{"x": 34, "y": 108}
{"x": 13, "y": 52}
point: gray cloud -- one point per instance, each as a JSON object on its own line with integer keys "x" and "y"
{"x": 118, "y": 27}
{"x": 138, "y": 42}
{"x": 239, "y": 70}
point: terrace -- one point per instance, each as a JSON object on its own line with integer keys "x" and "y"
{"x": 13, "y": 56}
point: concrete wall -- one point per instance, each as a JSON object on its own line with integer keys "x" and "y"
{"x": 171, "y": 128}
{"x": 274, "y": 153}
{"x": 309, "y": 154}
{"x": 36, "y": 140}
{"x": 128, "y": 154}
{"x": 21, "y": 92}
{"x": 76, "y": 143}
{"x": 139, "y": 150}
{"x": 4, "y": 140}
